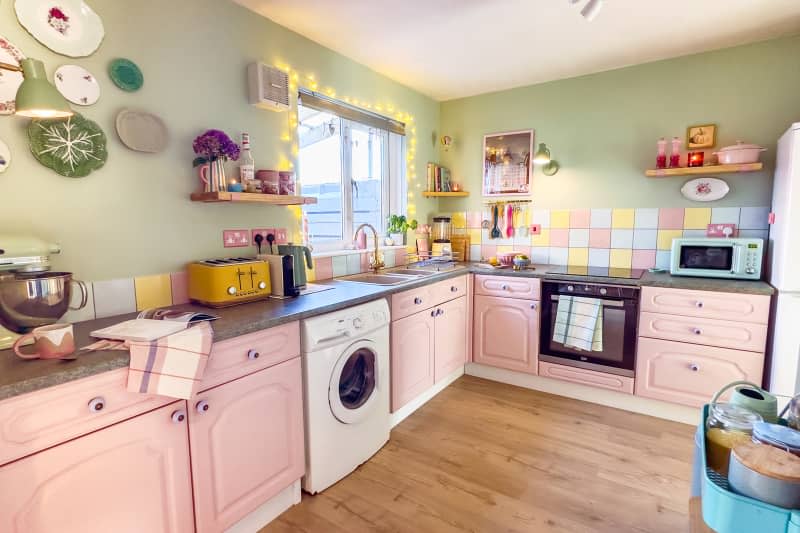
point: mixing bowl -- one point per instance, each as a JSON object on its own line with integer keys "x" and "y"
{"x": 28, "y": 301}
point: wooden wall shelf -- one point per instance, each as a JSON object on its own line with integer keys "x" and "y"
{"x": 254, "y": 198}
{"x": 703, "y": 171}
{"x": 432, "y": 194}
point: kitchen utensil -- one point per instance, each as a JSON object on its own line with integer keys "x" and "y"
{"x": 705, "y": 189}
{"x": 5, "y": 157}
{"x": 73, "y": 147}
{"x": 726, "y": 427}
{"x": 765, "y": 473}
{"x": 126, "y": 74}
{"x": 230, "y": 281}
{"x": 441, "y": 232}
{"x": 270, "y": 240}
{"x": 495, "y": 233}
{"x": 77, "y": 84}
{"x": 69, "y": 27}
{"x": 302, "y": 260}
{"x": 11, "y": 81}
{"x": 31, "y": 300}
{"x": 507, "y": 258}
{"x": 50, "y": 342}
{"x": 509, "y": 221}
{"x": 751, "y": 396}
{"x": 142, "y": 132}
{"x": 739, "y": 153}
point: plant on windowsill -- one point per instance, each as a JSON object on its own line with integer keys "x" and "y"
{"x": 397, "y": 228}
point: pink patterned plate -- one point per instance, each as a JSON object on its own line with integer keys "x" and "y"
{"x": 67, "y": 27}
{"x": 9, "y": 81}
{"x": 77, "y": 84}
{"x": 705, "y": 189}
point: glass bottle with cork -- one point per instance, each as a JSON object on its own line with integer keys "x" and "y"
{"x": 247, "y": 166}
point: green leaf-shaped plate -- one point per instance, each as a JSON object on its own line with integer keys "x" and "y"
{"x": 126, "y": 75}
{"x": 73, "y": 146}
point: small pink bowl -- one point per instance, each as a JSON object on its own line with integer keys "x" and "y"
{"x": 507, "y": 258}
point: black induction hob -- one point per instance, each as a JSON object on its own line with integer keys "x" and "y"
{"x": 598, "y": 272}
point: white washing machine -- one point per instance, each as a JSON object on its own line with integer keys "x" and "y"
{"x": 346, "y": 388}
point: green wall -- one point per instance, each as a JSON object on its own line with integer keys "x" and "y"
{"x": 603, "y": 128}
{"x": 133, "y": 217}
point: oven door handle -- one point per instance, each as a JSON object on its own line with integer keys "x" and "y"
{"x": 606, "y": 303}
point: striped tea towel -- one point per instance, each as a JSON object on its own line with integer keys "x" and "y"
{"x": 172, "y": 365}
{"x": 579, "y": 323}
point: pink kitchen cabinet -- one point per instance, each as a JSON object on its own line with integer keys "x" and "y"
{"x": 506, "y": 333}
{"x": 450, "y": 329}
{"x": 412, "y": 356}
{"x": 247, "y": 444}
{"x": 130, "y": 477}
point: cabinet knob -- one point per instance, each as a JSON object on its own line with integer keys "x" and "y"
{"x": 533, "y": 306}
{"x": 202, "y": 406}
{"x": 231, "y": 290}
{"x": 697, "y": 331}
{"x": 694, "y": 367}
{"x": 418, "y": 301}
{"x": 97, "y": 404}
{"x": 504, "y": 287}
{"x": 435, "y": 313}
{"x": 699, "y": 304}
{"x": 453, "y": 289}
{"x": 253, "y": 354}
{"x": 178, "y": 416}
{"x": 262, "y": 285}
{"x": 439, "y": 312}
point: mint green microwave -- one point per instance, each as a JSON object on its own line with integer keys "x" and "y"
{"x": 733, "y": 258}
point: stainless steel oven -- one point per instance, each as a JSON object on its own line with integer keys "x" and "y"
{"x": 620, "y": 308}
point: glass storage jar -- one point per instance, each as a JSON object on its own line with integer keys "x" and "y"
{"x": 727, "y": 426}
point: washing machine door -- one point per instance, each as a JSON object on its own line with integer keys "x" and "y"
{"x": 353, "y": 390}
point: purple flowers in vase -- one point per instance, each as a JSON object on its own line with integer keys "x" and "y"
{"x": 213, "y": 148}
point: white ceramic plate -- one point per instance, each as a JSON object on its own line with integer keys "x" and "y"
{"x": 705, "y": 189}
{"x": 142, "y": 132}
{"x": 77, "y": 84}
{"x": 67, "y": 27}
{"x": 5, "y": 157}
{"x": 9, "y": 81}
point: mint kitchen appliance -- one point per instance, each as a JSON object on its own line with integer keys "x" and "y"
{"x": 31, "y": 295}
{"x": 732, "y": 258}
{"x": 301, "y": 257}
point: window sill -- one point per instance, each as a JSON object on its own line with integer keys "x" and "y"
{"x": 337, "y": 253}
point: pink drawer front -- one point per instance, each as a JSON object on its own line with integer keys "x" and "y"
{"x": 707, "y": 331}
{"x": 407, "y": 303}
{"x": 752, "y": 308}
{"x": 690, "y": 374}
{"x": 240, "y": 356}
{"x": 449, "y": 289}
{"x": 508, "y": 287}
{"x": 586, "y": 377}
{"x": 35, "y": 421}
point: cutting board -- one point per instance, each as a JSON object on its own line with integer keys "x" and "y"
{"x": 460, "y": 246}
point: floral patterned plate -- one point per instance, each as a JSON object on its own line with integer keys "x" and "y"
{"x": 73, "y": 146}
{"x": 705, "y": 189}
{"x": 77, "y": 84}
{"x": 67, "y": 27}
{"x": 9, "y": 81}
{"x": 5, "y": 157}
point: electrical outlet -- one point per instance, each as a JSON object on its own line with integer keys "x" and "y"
{"x": 263, "y": 232}
{"x": 721, "y": 230}
{"x": 281, "y": 236}
{"x": 536, "y": 229}
{"x": 235, "y": 238}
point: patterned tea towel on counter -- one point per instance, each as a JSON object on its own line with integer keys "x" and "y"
{"x": 172, "y": 365}
{"x": 579, "y": 323}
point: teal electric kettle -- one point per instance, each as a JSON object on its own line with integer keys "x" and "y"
{"x": 300, "y": 255}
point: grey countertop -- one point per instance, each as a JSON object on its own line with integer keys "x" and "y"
{"x": 18, "y": 376}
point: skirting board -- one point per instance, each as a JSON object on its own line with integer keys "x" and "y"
{"x": 404, "y": 412}
{"x": 618, "y": 400}
{"x": 268, "y": 511}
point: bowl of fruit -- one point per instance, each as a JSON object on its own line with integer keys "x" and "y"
{"x": 521, "y": 261}
{"x": 507, "y": 258}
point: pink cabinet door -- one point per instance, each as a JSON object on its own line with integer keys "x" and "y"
{"x": 247, "y": 443}
{"x": 450, "y": 350}
{"x": 412, "y": 357}
{"x": 688, "y": 373}
{"x": 128, "y": 478}
{"x": 506, "y": 333}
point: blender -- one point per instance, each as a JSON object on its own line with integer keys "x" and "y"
{"x": 441, "y": 231}
{"x": 31, "y": 295}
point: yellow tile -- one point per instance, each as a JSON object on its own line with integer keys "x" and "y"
{"x": 665, "y": 237}
{"x": 560, "y": 219}
{"x": 578, "y": 257}
{"x": 504, "y": 248}
{"x": 474, "y": 236}
{"x": 696, "y": 217}
{"x": 459, "y": 220}
{"x": 541, "y": 240}
{"x": 153, "y": 291}
{"x": 620, "y": 258}
{"x": 311, "y": 274}
{"x": 622, "y": 218}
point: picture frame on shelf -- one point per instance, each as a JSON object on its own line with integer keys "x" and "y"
{"x": 701, "y": 136}
{"x": 507, "y": 166}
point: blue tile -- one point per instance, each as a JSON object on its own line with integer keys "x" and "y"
{"x": 599, "y": 257}
{"x": 645, "y": 239}
{"x": 541, "y": 217}
{"x": 600, "y": 219}
{"x": 339, "y": 265}
{"x": 475, "y": 252}
{"x": 646, "y": 218}
{"x": 695, "y": 233}
{"x": 578, "y": 238}
{"x": 754, "y": 233}
{"x": 540, "y": 256}
{"x": 754, "y": 218}
{"x": 663, "y": 258}
{"x": 559, "y": 256}
{"x": 622, "y": 238}
{"x": 725, "y": 215}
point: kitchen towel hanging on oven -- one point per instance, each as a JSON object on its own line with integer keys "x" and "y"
{"x": 579, "y": 323}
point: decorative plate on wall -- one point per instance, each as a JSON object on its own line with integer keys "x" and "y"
{"x": 67, "y": 27}
{"x": 9, "y": 81}
{"x": 73, "y": 146}
{"x": 142, "y": 132}
{"x": 705, "y": 189}
{"x": 5, "y": 157}
{"x": 77, "y": 84}
{"x": 126, "y": 75}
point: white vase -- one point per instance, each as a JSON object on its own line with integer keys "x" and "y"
{"x": 397, "y": 238}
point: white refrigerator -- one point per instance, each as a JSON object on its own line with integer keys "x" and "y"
{"x": 784, "y": 267}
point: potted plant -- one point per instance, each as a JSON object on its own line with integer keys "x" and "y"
{"x": 397, "y": 227}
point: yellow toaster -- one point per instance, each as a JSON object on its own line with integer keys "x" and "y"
{"x": 231, "y": 281}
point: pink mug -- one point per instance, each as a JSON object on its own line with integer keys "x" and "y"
{"x": 51, "y": 342}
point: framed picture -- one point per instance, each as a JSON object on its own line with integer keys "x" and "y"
{"x": 704, "y": 136}
{"x": 507, "y": 163}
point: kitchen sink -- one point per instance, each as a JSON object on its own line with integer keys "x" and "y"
{"x": 411, "y": 272}
{"x": 379, "y": 279}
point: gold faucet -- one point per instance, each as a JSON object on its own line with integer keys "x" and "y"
{"x": 375, "y": 263}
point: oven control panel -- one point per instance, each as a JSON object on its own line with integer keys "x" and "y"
{"x": 593, "y": 290}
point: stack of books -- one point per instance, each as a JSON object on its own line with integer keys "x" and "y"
{"x": 438, "y": 178}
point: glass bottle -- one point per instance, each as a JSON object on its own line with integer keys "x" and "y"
{"x": 727, "y": 426}
{"x": 247, "y": 165}
{"x": 675, "y": 154}
{"x": 661, "y": 157}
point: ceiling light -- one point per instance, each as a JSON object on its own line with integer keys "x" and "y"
{"x": 591, "y": 9}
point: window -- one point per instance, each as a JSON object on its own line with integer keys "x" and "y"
{"x": 352, "y": 161}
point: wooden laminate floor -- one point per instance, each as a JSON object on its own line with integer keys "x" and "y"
{"x": 485, "y": 456}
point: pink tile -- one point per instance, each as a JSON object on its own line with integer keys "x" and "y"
{"x": 523, "y": 250}
{"x": 670, "y": 218}
{"x": 643, "y": 259}
{"x": 324, "y": 268}
{"x": 488, "y": 250}
{"x": 579, "y": 218}
{"x": 400, "y": 257}
{"x": 559, "y": 237}
{"x": 599, "y": 238}
{"x": 180, "y": 288}
{"x": 474, "y": 219}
